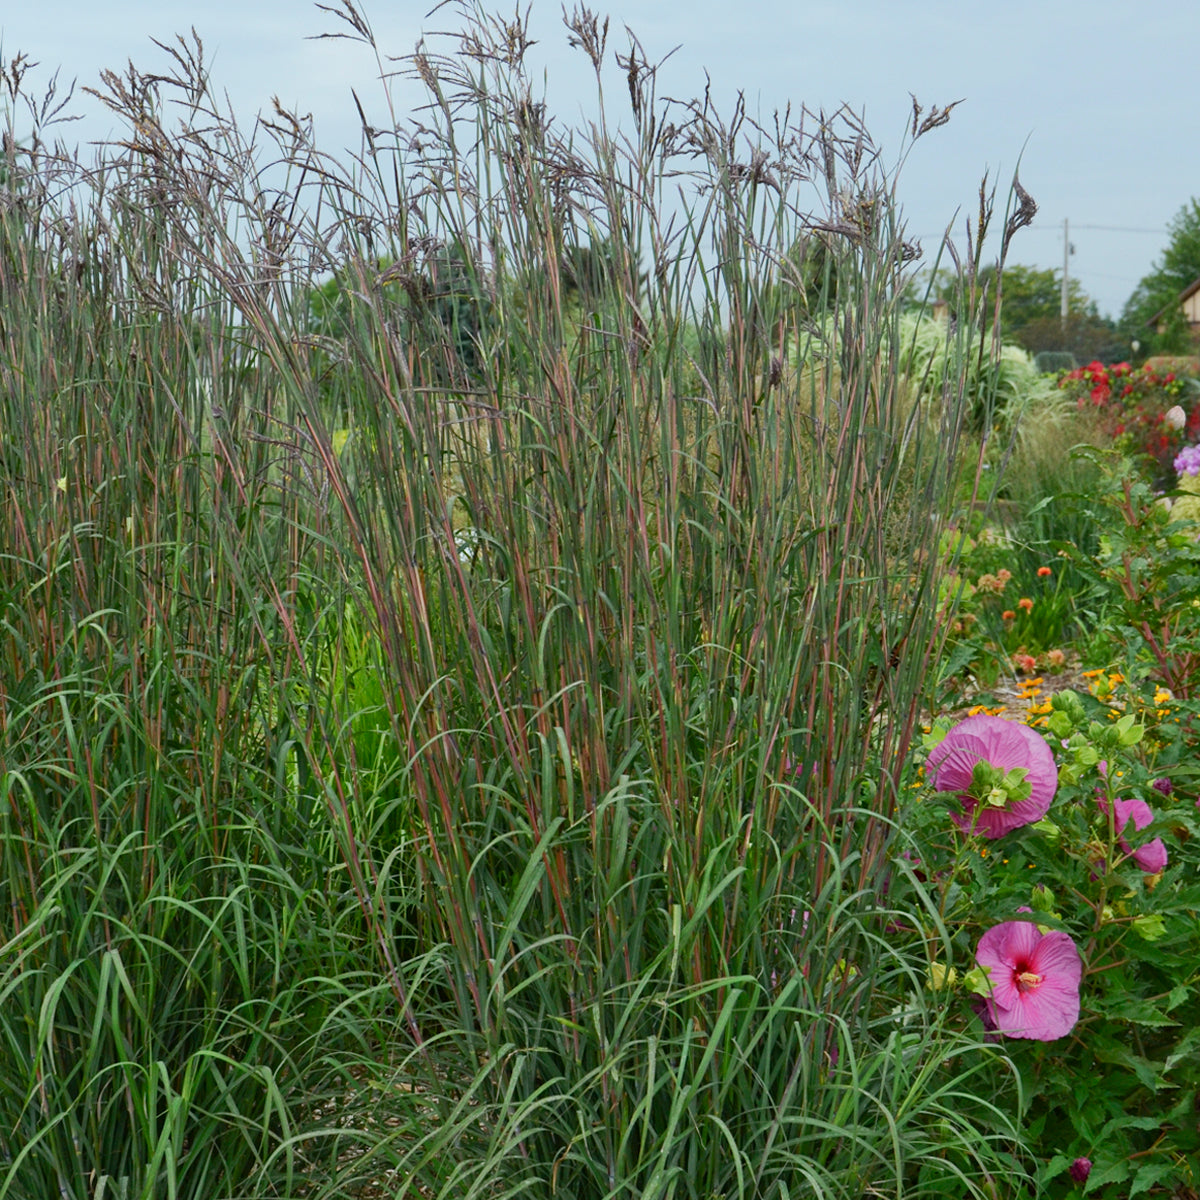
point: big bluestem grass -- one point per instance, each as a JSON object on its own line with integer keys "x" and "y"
{"x": 468, "y": 615}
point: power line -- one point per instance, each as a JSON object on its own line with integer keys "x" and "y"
{"x": 1107, "y": 228}
{"x": 1160, "y": 232}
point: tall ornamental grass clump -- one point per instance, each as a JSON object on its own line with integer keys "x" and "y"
{"x": 183, "y": 964}
{"x": 468, "y": 614}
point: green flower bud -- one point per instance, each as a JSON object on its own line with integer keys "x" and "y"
{"x": 1150, "y": 926}
{"x": 976, "y": 980}
{"x": 1048, "y": 829}
{"x": 941, "y": 976}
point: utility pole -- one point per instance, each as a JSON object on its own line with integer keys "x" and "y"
{"x": 1066, "y": 271}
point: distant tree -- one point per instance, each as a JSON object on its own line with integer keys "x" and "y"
{"x": 590, "y": 273}
{"x": 1031, "y": 313}
{"x": 1158, "y": 291}
{"x": 1085, "y": 337}
{"x": 1030, "y": 294}
{"x": 435, "y": 299}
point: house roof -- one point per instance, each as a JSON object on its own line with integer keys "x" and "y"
{"x": 1183, "y": 297}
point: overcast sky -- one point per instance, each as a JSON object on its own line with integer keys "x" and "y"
{"x": 1098, "y": 99}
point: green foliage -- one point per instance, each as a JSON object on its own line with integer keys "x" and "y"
{"x": 1121, "y": 1089}
{"x": 1011, "y": 604}
{"x": 1158, "y": 292}
{"x": 1030, "y": 308}
{"x": 999, "y": 381}
{"x": 1030, "y": 294}
{"x": 1151, "y": 566}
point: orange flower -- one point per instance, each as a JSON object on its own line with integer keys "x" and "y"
{"x": 1043, "y": 572}
{"x": 1007, "y": 614}
{"x": 1025, "y": 603}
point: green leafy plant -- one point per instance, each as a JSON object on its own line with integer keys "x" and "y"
{"x": 1111, "y": 866}
{"x": 1150, "y": 565}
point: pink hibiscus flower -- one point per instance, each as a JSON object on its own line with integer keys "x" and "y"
{"x": 1034, "y": 978}
{"x": 1003, "y": 744}
{"x": 1152, "y": 857}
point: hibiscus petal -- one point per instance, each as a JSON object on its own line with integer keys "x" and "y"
{"x": 1000, "y": 949}
{"x": 1004, "y": 744}
{"x": 1152, "y": 857}
{"x": 1135, "y": 809}
{"x": 1049, "y": 1008}
{"x": 1056, "y": 957}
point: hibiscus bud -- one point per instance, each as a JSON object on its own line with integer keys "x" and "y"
{"x": 1048, "y": 829}
{"x": 1150, "y": 926}
{"x": 1069, "y": 702}
{"x": 1080, "y": 1169}
{"x": 941, "y": 976}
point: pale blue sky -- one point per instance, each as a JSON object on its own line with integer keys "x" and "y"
{"x": 1100, "y": 99}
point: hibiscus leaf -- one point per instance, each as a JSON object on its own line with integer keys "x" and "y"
{"x": 1185, "y": 1050}
{"x": 1111, "y": 1128}
{"x": 1112, "y": 1052}
{"x": 1177, "y": 996}
{"x": 1052, "y": 1169}
{"x": 1142, "y": 1012}
{"x": 1147, "y": 1176}
{"x": 1115, "y": 1172}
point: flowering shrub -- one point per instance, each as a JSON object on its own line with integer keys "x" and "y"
{"x": 1007, "y": 605}
{"x": 1149, "y": 564}
{"x": 1187, "y": 461}
{"x": 1187, "y": 506}
{"x": 1078, "y": 925}
{"x": 1132, "y": 406}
